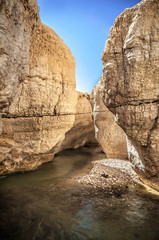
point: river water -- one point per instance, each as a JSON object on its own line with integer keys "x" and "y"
{"x": 43, "y": 205}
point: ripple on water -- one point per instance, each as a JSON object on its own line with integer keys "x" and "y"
{"x": 42, "y": 205}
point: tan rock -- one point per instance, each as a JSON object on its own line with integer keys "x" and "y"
{"x": 131, "y": 84}
{"x": 17, "y": 20}
{"x": 38, "y": 98}
{"x": 49, "y": 88}
{"x": 82, "y": 133}
{"x": 108, "y": 133}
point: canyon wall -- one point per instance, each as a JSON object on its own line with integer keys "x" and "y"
{"x": 110, "y": 136}
{"x": 82, "y": 133}
{"x": 131, "y": 84}
{"x": 38, "y": 99}
{"x": 17, "y": 21}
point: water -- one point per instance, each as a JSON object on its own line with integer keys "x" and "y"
{"x": 44, "y": 205}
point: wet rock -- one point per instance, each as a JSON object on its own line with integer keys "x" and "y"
{"x": 105, "y": 175}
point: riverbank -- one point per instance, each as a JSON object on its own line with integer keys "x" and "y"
{"x": 111, "y": 177}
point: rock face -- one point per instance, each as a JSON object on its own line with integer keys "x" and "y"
{"x": 17, "y": 21}
{"x": 108, "y": 133}
{"x": 83, "y": 132}
{"x": 131, "y": 84}
{"x": 38, "y": 99}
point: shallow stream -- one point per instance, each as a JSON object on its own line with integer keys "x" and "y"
{"x": 42, "y": 205}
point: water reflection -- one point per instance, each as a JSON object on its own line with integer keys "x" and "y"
{"x": 40, "y": 205}
{"x": 136, "y": 212}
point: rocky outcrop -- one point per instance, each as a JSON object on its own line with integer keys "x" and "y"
{"x": 131, "y": 84}
{"x": 38, "y": 99}
{"x": 108, "y": 133}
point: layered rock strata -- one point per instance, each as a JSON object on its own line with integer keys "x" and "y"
{"x": 38, "y": 99}
{"x": 131, "y": 84}
{"x": 108, "y": 133}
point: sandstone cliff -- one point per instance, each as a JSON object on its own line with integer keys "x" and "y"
{"x": 38, "y": 99}
{"x": 131, "y": 84}
{"x": 108, "y": 133}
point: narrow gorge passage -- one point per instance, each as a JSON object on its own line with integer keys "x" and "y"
{"x": 74, "y": 165}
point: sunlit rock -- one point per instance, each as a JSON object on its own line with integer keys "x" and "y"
{"x": 38, "y": 99}
{"x": 131, "y": 84}
{"x": 108, "y": 133}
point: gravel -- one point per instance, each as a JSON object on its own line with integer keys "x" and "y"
{"x": 111, "y": 175}
{"x": 122, "y": 165}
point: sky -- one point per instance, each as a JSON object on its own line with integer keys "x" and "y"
{"x": 84, "y": 27}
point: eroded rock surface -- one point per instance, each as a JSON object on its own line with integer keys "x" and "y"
{"x": 131, "y": 84}
{"x": 38, "y": 99}
{"x": 83, "y": 131}
{"x": 108, "y": 133}
{"x": 17, "y": 22}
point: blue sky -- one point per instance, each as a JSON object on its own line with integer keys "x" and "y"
{"x": 84, "y": 26}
